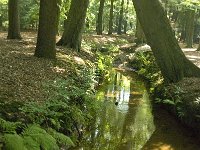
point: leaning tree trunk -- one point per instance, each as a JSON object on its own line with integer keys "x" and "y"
{"x": 139, "y": 34}
{"x": 110, "y": 30}
{"x": 13, "y": 20}
{"x": 121, "y": 15}
{"x": 73, "y": 28}
{"x": 100, "y": 18}
{"x": 190, "y": 14}
{"x": 48, "y": 25}
{"x": 158, "y": 32}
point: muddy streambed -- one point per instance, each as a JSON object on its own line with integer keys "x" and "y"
{"x": 127, "y": 121}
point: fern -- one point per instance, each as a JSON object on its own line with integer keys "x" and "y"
{"x": 61, "y": 138}
{"x": 14, "y": 142}
{"x": 8, "y": 127}
{"x": 30, "y": 143}
{"x": 46, "y": 141}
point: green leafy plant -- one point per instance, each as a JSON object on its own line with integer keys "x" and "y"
{"x": 32, "y": 137}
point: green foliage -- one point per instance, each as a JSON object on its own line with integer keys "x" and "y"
{"x": 70, "y": 105}
{"x": 8, "y": 127}
{"x": 33, "y": 137}
{"x": 46, "y": 141}
{"x": 104, "y": 65}
{"x": 171, "y": 95}
{"x": 14, "y": 142}
{"x": 145, "y": 65}
{"x": 61, "y": 138}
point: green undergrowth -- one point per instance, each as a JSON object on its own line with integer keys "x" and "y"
{"x": 18, "y": 136}
{"x": 182, "y": 99}
{"x": 66, "y": 113}
{"x": 143, "y": 62}
{"x": 60, "y": 120}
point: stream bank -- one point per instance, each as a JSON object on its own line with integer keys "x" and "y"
{"x": 180, "y": 99}
{"x": 128, "y": 121}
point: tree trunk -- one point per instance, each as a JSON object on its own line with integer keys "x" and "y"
{"x": 13, "y": 19}
{"x": 119, "y": 30}
{"x": 110, "y": 30}
{"x": 140, "y": 37}
{"x": 126, "y": 17}
{"x": 47, "y": 30}
{"x": 190, "y": 27}
{"x": 73, "y": 28}
{"x": 169, "y": 56}
{"x": 198, "y": 49}
{"x": 1, "y": 21}
{"x": 100, "y": 18}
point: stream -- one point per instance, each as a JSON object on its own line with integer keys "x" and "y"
{"x": 127, "y": 120}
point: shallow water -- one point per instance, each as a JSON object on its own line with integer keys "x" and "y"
{"x": 126, "y": 121}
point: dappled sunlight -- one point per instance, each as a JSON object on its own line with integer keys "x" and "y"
{"x": 79, "y": 60}
{"x": 59, "y": 70}
{"x": 160, "y": 146}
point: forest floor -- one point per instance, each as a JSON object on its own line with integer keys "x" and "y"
{"x": 22, "y": 75}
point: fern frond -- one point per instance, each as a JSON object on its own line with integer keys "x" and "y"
{"x": 30, "y": 143}
{"x": 60, "y": 138}
{"x": 8, "y": 127}
{"x": 14, "y": 142}
{"x": 46, "y": 141}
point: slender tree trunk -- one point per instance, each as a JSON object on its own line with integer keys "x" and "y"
{"x": 110, "y": 30}
{"x": 74, "y": 25}
{"x": 1, "y": 21}
{"x": 13, "y": 19}
{"x": 126, "y": 17}
{"x": 198, "y": 49}
{"x": 140, "y": 37}
{"x": 48, "y": 26}
{"x": 100, "y": 18}
{"x": 190, "y": 28}
{"x": 119, "y": 30}
{"x": 169, "y": 56}
{"x": 182, "y": 18}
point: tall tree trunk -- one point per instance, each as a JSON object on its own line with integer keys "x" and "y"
{"x": 140, "y": 37}
{"x": 126, "y": 17}
{"x": 169, "y": 56}
{"x": 110, "y": 30}
{"x": 182, "y": 23}
{"x": 100, "y": 18}
{"x": 48, "y": 26}
{"x": 73, "y": 28}
{"x": 13, "y": 19}
{"x": 190, "y": 27}
{"x": 1, "y": 22}
{"x": 121, "y": 14}
{"x": 198, "y": 49}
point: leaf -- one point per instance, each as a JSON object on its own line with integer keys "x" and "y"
{"x": 168, "y": 101}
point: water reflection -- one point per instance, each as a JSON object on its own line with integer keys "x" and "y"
{"x": 125, "y": 126}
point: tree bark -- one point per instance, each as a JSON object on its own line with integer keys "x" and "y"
{"x": 140, "y": 37}
{"x": 73, "y": 28}
{"x": 110, "y": 30}
{"x": 100, "y": 18}
{"x": 169, "y": 56}
{"x": 126, "y": 17}
{"x": 121, "y": 14}
{"x": 198, "y": 49}
{"x": 48, "y": 27}
{"x": 13, "y": 19}
{"x": 190, "y": 14}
